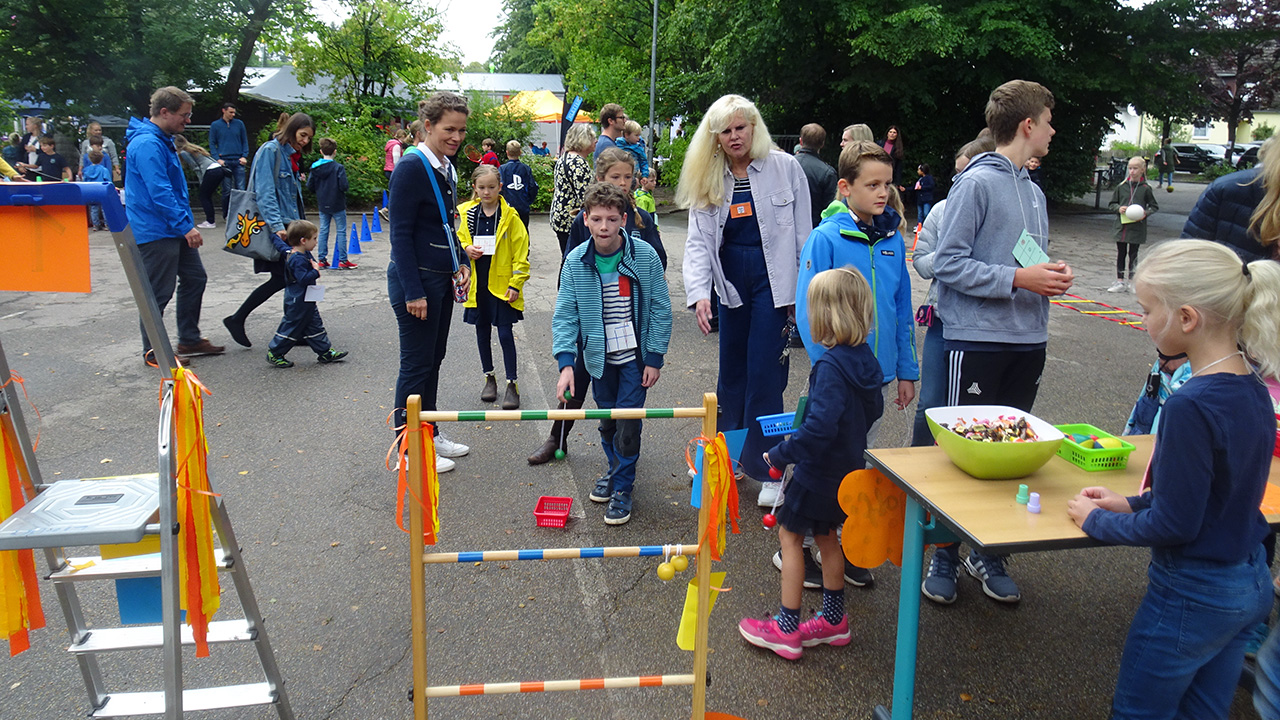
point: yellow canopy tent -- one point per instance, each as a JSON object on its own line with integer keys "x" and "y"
{"x": 543, "y": 105}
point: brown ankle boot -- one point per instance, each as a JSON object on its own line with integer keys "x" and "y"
{"x": 547, "y": 452}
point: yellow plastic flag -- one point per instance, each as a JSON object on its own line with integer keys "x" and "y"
{"x": 199, "y": 591}
{"x": 20, "y": 608}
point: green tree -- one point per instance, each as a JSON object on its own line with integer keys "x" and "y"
{"x": 911, "y": 63}
{"x": 108, "y": 55}
{"x": 381, "y": 44}
{"x": 512, "y": 53}
{"x": 257, "y": 19}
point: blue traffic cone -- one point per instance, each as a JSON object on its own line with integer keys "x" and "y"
{"x": 364, "y": 229}
{"x": 377, "y": 222}
{"x": 384, "y": 198}
{"x": 353, "y": 247}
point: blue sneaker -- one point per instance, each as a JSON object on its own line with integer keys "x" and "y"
{"x": 603, "y": 491}
{"x": 996, "y": 583}
{"x": 940, "y": 583}
{"x": 619, "y": 511}
{"x": 1257, "y": 636}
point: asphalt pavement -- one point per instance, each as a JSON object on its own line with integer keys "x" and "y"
{"x": 299, "y": 454}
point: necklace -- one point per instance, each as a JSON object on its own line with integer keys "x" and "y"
{"x": 1215, "y": 362}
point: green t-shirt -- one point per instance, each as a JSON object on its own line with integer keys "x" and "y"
{"x": 608, "y": 264}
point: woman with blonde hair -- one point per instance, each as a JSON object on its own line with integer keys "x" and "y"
{"x": 748, "y": 219}
{"x": 570, "y": 181}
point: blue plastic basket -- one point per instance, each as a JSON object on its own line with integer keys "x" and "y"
{"x": 780, "y": 424}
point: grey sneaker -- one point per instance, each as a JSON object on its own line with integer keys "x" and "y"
{"x": 853, "y": 575}
{"x": 940, "y": 582}
{"x": 812, "y": 573}
{"x": 996, "y": 583}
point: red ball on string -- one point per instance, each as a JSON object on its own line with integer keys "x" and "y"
{"x": 775, "y": 473}
{"x": 769, "y": 520}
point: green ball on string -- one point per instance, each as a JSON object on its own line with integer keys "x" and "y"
{"x": 559, "y": 454}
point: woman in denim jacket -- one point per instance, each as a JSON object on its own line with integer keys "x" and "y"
{"x": 748, "y": 219}
{"x": 275, "y": 182}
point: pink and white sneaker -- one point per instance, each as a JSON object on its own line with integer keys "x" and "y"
{"x": 817, "y": 631}
{"x": 767, "y": 634}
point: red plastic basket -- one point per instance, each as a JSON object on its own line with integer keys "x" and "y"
{"x": 552, "y": 512}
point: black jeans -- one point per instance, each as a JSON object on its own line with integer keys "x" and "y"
{"x": 172, "y": 264}
{"x": 422, "y": 342}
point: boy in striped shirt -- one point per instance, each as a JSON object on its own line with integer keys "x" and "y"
{"x": 614, "y": 309}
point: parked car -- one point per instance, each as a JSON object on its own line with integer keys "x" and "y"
{"x": 1217, "y": 151}
{"x": 1248, "y": 157}
{"x": 1192, "y": 158}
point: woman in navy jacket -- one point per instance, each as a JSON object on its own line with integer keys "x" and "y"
{"x": 425, "y": 255}
{"x": 275, "y": 183}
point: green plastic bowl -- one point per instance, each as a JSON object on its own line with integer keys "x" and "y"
{"x": 993, "y": 460}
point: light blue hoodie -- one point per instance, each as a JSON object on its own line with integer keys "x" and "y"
{"x": 836, "y": 242}
{"x": 989, "y": 206}
{"x": 156, "y": 198}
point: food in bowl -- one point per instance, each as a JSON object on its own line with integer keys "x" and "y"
{"x": 1003, "y": 429}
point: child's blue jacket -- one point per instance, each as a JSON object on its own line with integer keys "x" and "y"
{"x": 837, "y": 242}
{"x": 579, "y": 314}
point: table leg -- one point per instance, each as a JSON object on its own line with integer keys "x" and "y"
{"x": 904, "y": 664}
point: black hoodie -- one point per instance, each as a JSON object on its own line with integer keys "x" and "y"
{"x": 844, "y": 399}
{"x": 328, "y": 180}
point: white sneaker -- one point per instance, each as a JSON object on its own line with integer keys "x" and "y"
{"x": 450, "y": 449}
{"x": 444, "y": 464}
{"x": 770, "y": 493}
{"x": 206, "y": 225}
{"x": 1117, "y": 287}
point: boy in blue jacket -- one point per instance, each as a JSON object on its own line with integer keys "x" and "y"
{"x": 301, "y": 323}
{"x": 328, "y": 180}
{"x": 859, "y": 229}
{"x": 519, "y": 188}
{"x": 96, "y": 169}
{"x": 613, "y": 307}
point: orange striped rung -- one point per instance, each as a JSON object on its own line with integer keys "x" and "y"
{"x": 641, "y": 681}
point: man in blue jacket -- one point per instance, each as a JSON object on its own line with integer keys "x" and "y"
{"x": 160, "y": 213}
{"x": 229, "y": 145}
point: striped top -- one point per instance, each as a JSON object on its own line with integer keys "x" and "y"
{"x": 742, "y": 227}
{"x": 616, "y": 295}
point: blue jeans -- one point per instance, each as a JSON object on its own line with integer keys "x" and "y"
{"x": 172, "y": 265}
{"x": 95, "y": 215}
{"x": 619, "y": 387}
{"x": 1266, "y": 693}
{"x": 933, "y": 381}
{"x": 339, "y": 221}
{"x": 1160, "y": 178}
{"x": 1185, "y": 646}
{"x": 753, "y": 373}
{"x": 422, "y": 342}
{"x": 922, "y": 211}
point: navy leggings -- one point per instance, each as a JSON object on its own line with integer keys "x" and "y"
{"x": 506, "y": 339}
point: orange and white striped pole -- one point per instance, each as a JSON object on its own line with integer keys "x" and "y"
{"x": 536, "y": 686}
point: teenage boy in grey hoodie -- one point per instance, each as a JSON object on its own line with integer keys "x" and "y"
{"x": 995, "y": 306}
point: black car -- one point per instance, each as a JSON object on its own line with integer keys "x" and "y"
{"x": 1248, "y": 158}
{"x": 1193, "y": 158}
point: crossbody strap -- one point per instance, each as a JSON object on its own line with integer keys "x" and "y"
{"x": 444, "y": 216}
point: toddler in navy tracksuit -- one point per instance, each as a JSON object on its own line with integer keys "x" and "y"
{"x": 301, "y": 323}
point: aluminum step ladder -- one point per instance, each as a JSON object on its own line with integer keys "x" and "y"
{"x": 121, "y": 510}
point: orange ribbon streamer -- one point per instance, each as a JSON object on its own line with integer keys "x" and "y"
{"x": 200, "y": 592}
{"x": 428, "y": 493}
{"x": 20, "y": 608}
{"x": 722, "y": 486}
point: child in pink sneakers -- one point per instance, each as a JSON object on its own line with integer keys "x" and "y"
{"x": 844, "y": 399}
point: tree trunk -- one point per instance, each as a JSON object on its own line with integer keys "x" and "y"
{"x": 248, "y": 40}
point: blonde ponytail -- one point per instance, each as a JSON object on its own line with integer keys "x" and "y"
{"x": 1260, "y": 332}
{"x": 1264, "y": 224}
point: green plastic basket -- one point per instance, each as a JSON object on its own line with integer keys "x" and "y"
{"x": 1093, "y": 459}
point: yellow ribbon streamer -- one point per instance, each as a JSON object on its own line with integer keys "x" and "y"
{"x": 200, "y": 593}
{"x": 20, "y": 608}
